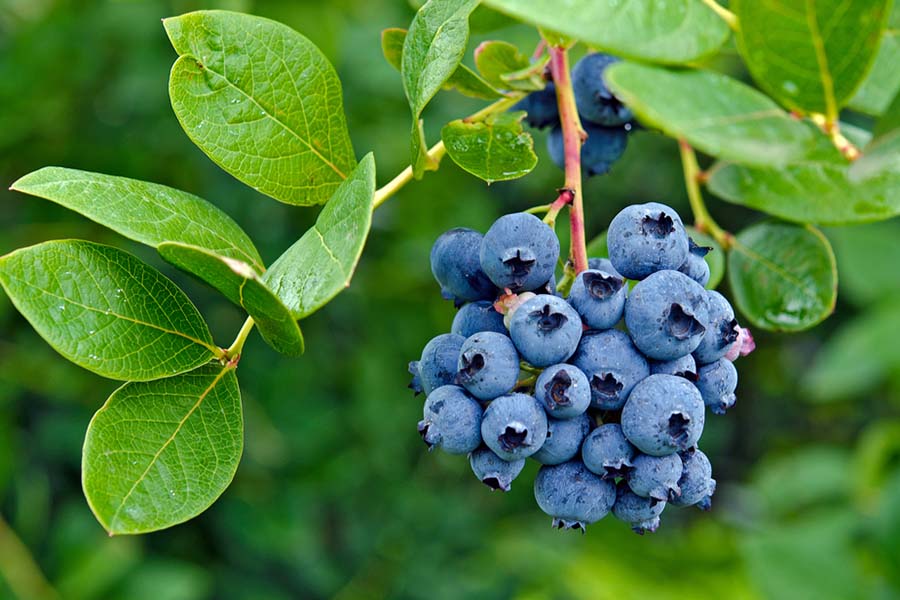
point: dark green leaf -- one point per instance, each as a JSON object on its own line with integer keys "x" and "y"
{"x": 106, "y": 311}
{"x": 495, "y": 149}
{"x": 891, "y": 119}
{"x": 161, "y": 452}
{"x": 145, "y": 212}
{"x": 783, "y": 277}
{"x": 262, "y": 102}
{"x": 715, "y": 258}
{"x": 880, "y": 162}
{"x": 241, "y": 284}
{"x": 671, "y": 32}
{"x": 714, "y": 113}
{"x": 867, "y": 258}
{"x": 321, "y": 263}
{"x": 494, "y": 59}
{"x": 811, "y": 56}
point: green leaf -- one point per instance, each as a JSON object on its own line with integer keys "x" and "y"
{"x": 161, "y": 452}
{"x": 671, "y": 32}
{"x": 321, "y": 263}
{"x": 811, "y": 56}
{"x": 867, "y": 258}
{"x": 883, "y": 81}
{"x": 496, "y": 149}
{"x": 597, "y": 248}
{"x": 890, "y": 120}
{"x": 494, "y": 59}
{"x": 880, "y": 162}
{"x": 715, "y": 258}
{"x": 783, "y": 277}
{"x": 262, "y": 102}
{"x": 714, "y": 113}
{"x": 241, "y": 284}
{"x": 145, "y": 212}
{"x": 106, "y": 311}
{"x": 392, "y": 40}
{"x": 810, "y": 192}
{"x": 433, "y": 48}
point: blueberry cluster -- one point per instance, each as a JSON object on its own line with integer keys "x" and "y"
{"x": 612, "y": 413}
{"x": 604, "y": 118}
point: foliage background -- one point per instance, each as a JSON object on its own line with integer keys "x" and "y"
{"x": 335, "y": 496}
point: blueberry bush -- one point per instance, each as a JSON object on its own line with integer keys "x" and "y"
{"x": 265, "y": 104}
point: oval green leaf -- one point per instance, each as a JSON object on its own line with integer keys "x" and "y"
{"x": 811, "y": 56}
{"x": 241, "y": 284}
{"x": 161, "y": 452}
{"x": 671, "y": 32}
{"x": 715, "y": 258}
{"x": 106, "y": 311}
{"x": 783, "y": 277}
{"x": 262, "y": 102}
{"x": 321, "y": 263}
{"x": 496, "y": 149}
{"x": 714, "y": 113}
{"x": 494, "y": 59}
{"x": 149, "y": 213}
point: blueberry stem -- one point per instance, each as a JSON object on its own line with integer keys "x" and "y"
{"x": 703, "y": 221}
{"x": 726, "y": 15}
{"x": 573, "y": 138}
{"x": 566, "y": 195}
{"x": 832, "y": 129}
{"x": 233, "y": 353}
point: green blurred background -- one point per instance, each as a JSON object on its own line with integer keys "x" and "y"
{"x": 335, "y": 495}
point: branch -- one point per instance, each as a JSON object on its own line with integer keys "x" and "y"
{"x": 703, "y": 221}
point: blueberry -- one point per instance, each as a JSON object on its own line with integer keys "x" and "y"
{"x": 696, "y": 482}
{"x": 488, "y": 365}
{"x": 572, "y": 495}
{"x": 645, "y": 238}
{"x": 476, "y": 317}
{"x": 594, "y": 100}
{"x": 438, "y": 364}
{"x": 519, "y": 252}
{"x": 451, "y": 420}
{"x": 564, "y": 437}
{"x": 603, "y": 147}
{"x": 514, "y": 426}
{"x": 545, "y": 330}
{"x": 641, "y": 513}
{"x": 656, "y": 476}
{"x": 682, "y": 367}
{"x": 667, "y": 315}
{"x": 541, "y": 107}
{"x": 695, "y": 266}
{"x": 612, "y": 364}
{"x": 721, "y": 334}
{"x": 603, "y": 264}
{"x": 456, "y": 266}
{"x": 563, "y": 390}
{"x": 664, "y": 414}
{"x": 717, "y": 382}
{"x": 493, "y": 471}
{"x": 599, "y": 297}
{"x": 607, "y": 452}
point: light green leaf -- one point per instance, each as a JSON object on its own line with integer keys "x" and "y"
{"x": 106, "y": 311}
{"x": 811, "y": 56}
{"x": 321, "y": 263}
{"x": 715, "y": 258}
{"x": 783, "y": 277}
{"x": 880, "y": 162}
{"x": 714, "y": 113}
{"x": 671, "y": 32}
{"x": 261, "y": 101}
{"x": 433, "y": 48}
{"x": 493, "y": 59}
{"x": 161, "y": 452}
{"x": 241, "y": 284}
{"x": 496, "y": 149}
{"x": 883, "y": 81}
{"x": 145, "y": 212}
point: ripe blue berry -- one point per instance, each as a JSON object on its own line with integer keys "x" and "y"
{"x": 599, "y": 297}
{"x": 664, "y": 414}
{"x": 695, "y": 266}
{"x": 607, "y": 452}
{"x": 541, "y": 107}
{"x": 493, "y": 471}
{"x": 545, "y": 330}
{"x": 519, "y": 252}
{"x": 667, "y": 315}
{"x": 722, "y": 332}
{"x": 438, "y": 364}
{"x": 603, "y": 264}
{"x": 641, "y": 513}
{"x": 563, "y": 390}
{"x": 451, "y": 420}
{"x": 613, "y": 366}
{"x": 476, "y": 317}
{"x": 656, "y": 476}
{"x": 572, "y": 495}
{"x": 602, "y": 148}
{"x": 594, "y": 100}
{"x": 696, "y": 482}
{"x": 645, "y": 238}
{"x": 717, "y": 382}
{"x": 564, "y": 438}
{"x": 488, "y": 365}
{"x": 514, "y": 426}
{"x": 456, "y": 266}
{"x": 682, "y": 367}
